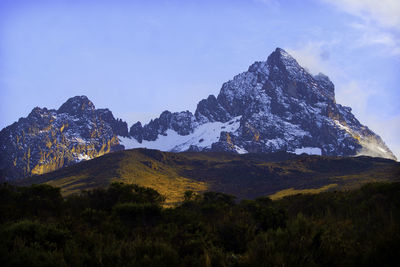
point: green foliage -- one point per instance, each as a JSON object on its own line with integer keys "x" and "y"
{"x": 125, "y": 225}
{"x": 30, "y": 202}
{"x": 35, "y": 233}
{"x": 32, "y": 243}
{"x": 120, "y": 193}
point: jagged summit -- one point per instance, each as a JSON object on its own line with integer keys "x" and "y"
{"x": 275, "y": 105}
{"x": 283, "y": 60}
{"x": 77, "y": 105}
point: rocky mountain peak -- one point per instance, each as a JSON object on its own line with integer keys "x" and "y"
{"x": 275, "y": 105}
{"x": 37, "y": 112}
{"x": 77, "y": 105}
{"x": 282, "y": 60}
{"x": 49, "y": 139}
{"x": 283, "y": 69}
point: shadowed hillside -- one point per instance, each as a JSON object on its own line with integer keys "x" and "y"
{"x": 245, "y": 176}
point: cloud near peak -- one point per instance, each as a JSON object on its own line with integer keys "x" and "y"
{"x": 380, "y": 21}
{"x": 384, "y": 12}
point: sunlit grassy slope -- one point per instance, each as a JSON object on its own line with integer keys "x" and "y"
{"x": 246, "y": 176}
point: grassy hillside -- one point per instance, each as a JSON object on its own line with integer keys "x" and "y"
{"x": 245, "y": 176}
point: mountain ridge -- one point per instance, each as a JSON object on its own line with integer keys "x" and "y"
{"x": 276, "y": 105}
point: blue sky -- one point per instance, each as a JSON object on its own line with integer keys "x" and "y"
{"x": 138, "y": 58}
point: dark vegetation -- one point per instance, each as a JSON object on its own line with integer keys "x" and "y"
{"x": 126, "y": 225}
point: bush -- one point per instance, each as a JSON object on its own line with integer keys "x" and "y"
{"x": 32, "y": 243}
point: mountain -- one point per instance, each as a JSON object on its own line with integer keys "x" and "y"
{"x": 243, "y": 175}
{"x": 276, "y": 105}
{"x": 49, "y": 139}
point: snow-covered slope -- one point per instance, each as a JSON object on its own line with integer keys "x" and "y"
{"x": 202, "y": 137}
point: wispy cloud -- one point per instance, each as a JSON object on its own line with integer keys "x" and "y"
{"x": 383, "y": 12}
{"x": 314, "y": 56}
{"x": 356, "y": 95}
{"x": 376, "y": 36}
{"x": 378, "y": 21}
{"x": 359, "y": 95}
{"x": 390, "y": 133}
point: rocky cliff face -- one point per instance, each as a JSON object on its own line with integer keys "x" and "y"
{"x": 275, "y": 105}
{"x": 50, "y": 139}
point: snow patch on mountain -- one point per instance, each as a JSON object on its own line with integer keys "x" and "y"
{"x": 81, "y": 157}
{"x": 203, "y": 137}
{"x": 240, "y": 150}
